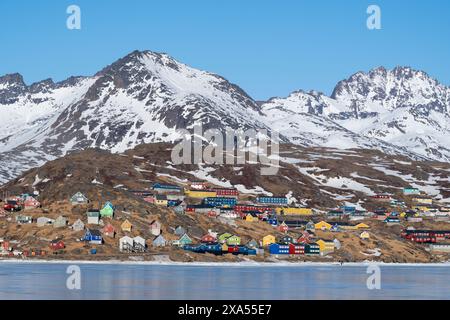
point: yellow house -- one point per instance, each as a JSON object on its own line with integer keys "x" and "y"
{"x": 268, "y": 240}
{"x": 126, "y": 226}
{"x": 362, "y": 226}
{"x": 294, "y": 211}
{"x": 161, "y": 200}
{"x": 325, "y": 246}
{"x": 250, "y": 218}
{"x": 224, "y": 247}
{"x": 201, "y": 194}
{"x": 423, "y": 208}
{"x": 422, "y": 200}
{"x": 322, "y": 225}
{"x": 365, "y": 235}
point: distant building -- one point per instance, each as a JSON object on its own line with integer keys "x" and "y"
{"x": 79, "y": 198}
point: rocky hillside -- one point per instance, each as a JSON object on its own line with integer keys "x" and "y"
{"x": 319, "y": 177}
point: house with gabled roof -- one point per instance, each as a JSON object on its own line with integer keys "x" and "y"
{"x": 78, "y": 199}
{"x": 126, "y": 226}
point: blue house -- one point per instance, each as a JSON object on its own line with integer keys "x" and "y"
{"x": 312, "y": 249}
{"x": 276, "y": 248}
{"x": 93, "y": 236}
{"x": 273, "y": 221}
{"x": 411, "y": 191}
{"x": 348, "y": 209}
{"x": 215, "y": 248}
{"x": 272, "y": 200}
{"x": 220, "y": 201}
{"x": 159, "y": 187}
{"x": 247, "y": 251}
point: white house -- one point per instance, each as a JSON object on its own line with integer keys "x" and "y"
{"x": 126, "y": 243}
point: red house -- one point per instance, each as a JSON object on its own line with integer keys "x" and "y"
{"x": 31, "y": 203}
{"x": 239, "y": 208}
{"x": 226, "y": 192}
{"x": 149, "y": 199}
{"x": 233, "y": 249}
{"x": 109, "y": 230}
{"x": 296, "y": 248}
{"x": 208, "y": 239}
{"x": 283, "y": 227}
{"x": 304, "y": 238}
{"x": 57, "y": 245}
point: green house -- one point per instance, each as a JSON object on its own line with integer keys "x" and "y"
{"x": 233, "y": 241}
{"x": 184, "y": 240}
{"x": 223, "y": 237}
{"x": 107, "y": 211}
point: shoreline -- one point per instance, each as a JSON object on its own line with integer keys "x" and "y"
{"x": 224, "y": 264}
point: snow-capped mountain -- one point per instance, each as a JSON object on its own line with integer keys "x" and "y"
{"x": 402, "y": 107}
{"x": 142, "y": 98}
{"x": 145, "y": 97}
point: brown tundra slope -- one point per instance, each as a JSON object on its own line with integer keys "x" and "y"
{"x": 317, "y": 177}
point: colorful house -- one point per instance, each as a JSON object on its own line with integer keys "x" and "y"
{"x": 223, "y": 237}
{"x": 161, "y": 200}
{"x": 207, "y": 238}
{"x": 159, "y": 241}
{"x": 304, "y": 238}
{"x": 93, "y": 216}
{"x": 272, "y": 200}
{"x": 312, "y": 249}
{"x": 322, "y": 225}
{"x": 57, "y": 244}
{"x": 294, "y": 211}
{"x": 253, "y": 244}
{"x": 109, "y": 230}
{"x": 163, "y": 188}
{"x": 126, "y": 244}
{"x": 233, "y": 241}
{"x": 276, "y": 248}
{"x": 78, "y": 225}
{"x": 79, "y": 199}
{"x": 250, "y": 218}
{"x": 364, "y": 235}
{"x": 226, "y": 192}
{"x": 283, "y": 227}
{"x": 44, "y": 221}
{"x": 60, "y": 222}
{"x": 107, "y": 211}
{"x": 296, "y": 248}
{"x": 286, "y": 240}
{"x": 226, "y": 202}
{"x": 310, "y": 226}
{"x": 268, "y": 240}
{"x": 93, "y": 236}
{"x": 325, "y": 246}
{"x": 423, "y": 200}
{"x": 184, "y": 240}
{"x": 24, "y": 219}
{"x": 201, "y": 194}
{"x": 31, "y": 203}
{"x": 155, "y": 228}
{"x": 179, "y": 231}
{"x": 411, "y": 191}
{"x": 139, "y": 244}
{"x": 126, "y": 226}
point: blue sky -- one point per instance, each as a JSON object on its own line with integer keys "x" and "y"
{"x": 267, "y": 47}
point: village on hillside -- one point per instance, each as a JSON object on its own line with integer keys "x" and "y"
{"x": 270, "y": 227}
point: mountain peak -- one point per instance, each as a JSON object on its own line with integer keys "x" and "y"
{"x": 12, "y": 79}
